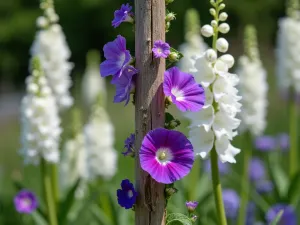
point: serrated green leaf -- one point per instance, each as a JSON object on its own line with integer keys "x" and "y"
{"x": 277, "y": 218}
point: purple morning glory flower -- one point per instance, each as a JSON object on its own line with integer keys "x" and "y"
{"x": 283, "y": 141}
{"x": 127, "y": 194}
{"x": 161, "y": 49}
{"x": 231, "y": 203}
{"x": 183, "y": 90}
{"x": 191, "y": 205}
{"x": 129, "y": 145}
{"x": 124, "y": 14}
{"x": 117, "y": 58}
{"x": 256, "y": 169}
{"x": 224, "y": 168}
{"x": 25, "y": 202}
{"x": 124, "y": 85}
{"x": 264, "y": 186}
{"x": 167, "y": 155}
{"x": 265, "y": 143}
{"x": 288, "y": 217}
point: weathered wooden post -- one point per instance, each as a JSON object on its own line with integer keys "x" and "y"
{"x": 149, "y": 105}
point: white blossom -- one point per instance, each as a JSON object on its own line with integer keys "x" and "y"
{"x": 224, "y": 28}
{"x": 253, "y": 87}
{"x": 287, "y": 53}
{"x": 207, "y": 31}
{"x": 222, "y": 45}
{"x": 51, "y": 47}
{"x": 223, "y": 16}
{"x": 40, "y": 121}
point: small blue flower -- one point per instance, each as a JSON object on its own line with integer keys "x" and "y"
{"x": 124, "y": 14}
{"x": 288, "y": 217}
{"x": 256, "y": 170}
{"x": 129, "y": 145}
{"x": 264, "y": 186}
{"x": 127, "y": 194}
{"x": 265, "y": 143}
{"x": 231, "y": 203}
{"x": 191, "y": 205}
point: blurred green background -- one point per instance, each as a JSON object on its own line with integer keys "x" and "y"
{"x": 87, "y": 25}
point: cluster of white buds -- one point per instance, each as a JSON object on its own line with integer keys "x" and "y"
{"x": 288, "y": 46}
{"x": 40, "y": 121}
{"x": 215, "y": 125}
{"x": 51, "y": 47}
{"x": 194, "y": 45}
{"x": 253, "y": 86}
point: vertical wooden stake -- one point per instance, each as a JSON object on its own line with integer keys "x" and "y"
{"x": 149, "y": 105}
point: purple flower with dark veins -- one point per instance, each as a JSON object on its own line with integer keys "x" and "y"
{"x": 25, "y": 202}
{"x": 124, "y": 85}
{"x": 127, "y": 194}
{"x": 161, "y": 49}
{"x": 288, "y": 217}
{"x": 129, "y": 145}
{"x": 124, "y": 14}
{"x": 117, "y": 58}
{"x": 167, "y": 155}
{"x": 183, "y": 91}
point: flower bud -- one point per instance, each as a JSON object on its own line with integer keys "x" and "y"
{"x": 173, "y": 57}
{"x": 42, "y": 22}
{"x": 191, "y": 206}
{"x": 170, "y": 191}
{"x": 32, "y": 88}
{"x": 211, "y": 55}
{"x": 228, "y": 59}
{"x": 212, "y": 2}
{"x": 207, "y": 31}
{"x": 212, "y": 11}
{"x": 170, "y": 16}
{"x": 194, "y": 218}
{"x": 224, "y": 28}
{"x": 222, "y": 45}
{"x": 223, "y": 16}
{"x": 214, "y": 23}
{"x": 222, "y": 6}
{"x": 169, "y": 1}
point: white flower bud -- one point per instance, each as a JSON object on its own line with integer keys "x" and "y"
{"x": 214, "y": 23}
{"x": 32, "y": 88}
{"x": 224, "y": 28}
{"x": 222, "y": 45}
{"x": 173, "y": 57}
{"x": 212, "y": 2}
{"x": 223, "y": 16}
{"x": 228, "y": 59}
{"x": 211, "y": 55}
{"x": 42, "y": 22}
{"x": 222, "y": 6}
{"x": 212, "y": 11}
{"x": 207, "y": 31}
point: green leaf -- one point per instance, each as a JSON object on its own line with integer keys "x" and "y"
{"x": 99, "y": 215}
{"x": 67, "y": 204}
{"x": 178, "y": 219}
{"x": 277, "y": 219}
{"x": 293, "y": 190}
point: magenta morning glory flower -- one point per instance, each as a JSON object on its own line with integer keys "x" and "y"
{"x": 117, "y": 58}
{"x": 25, "y": 202}
{"x": 183, "y": 90}
{"x": 191, "y": 206}
{"x": 124, "y": 85}
{"x": 129, "y": 145}
{"x": 167, "y": 155}
{"x": 127, "y": 194}
{"x": 161, "y": 49}
{"x": 124, "y": 14}
{"x": 288, "y": 217}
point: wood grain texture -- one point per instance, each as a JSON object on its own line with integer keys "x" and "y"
{"x": 149, "y": 102}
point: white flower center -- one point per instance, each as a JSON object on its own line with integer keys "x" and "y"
{"x": 122, "y": 59}
{"x": 164, "y": 156}
{"x": 179, "y": 94}
{"x": 130, "y": 194}
{"x": 26, "y": 202}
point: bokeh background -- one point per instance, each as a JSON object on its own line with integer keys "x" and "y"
{"x": 87, "y": 25}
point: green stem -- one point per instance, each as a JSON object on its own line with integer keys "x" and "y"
{"x": 51, "y": 210}
{"x": 54, "y": 182}
{"x": 293, "y": 138}
{"x": 244, "y": 192}
{"x": 217, "y": 187}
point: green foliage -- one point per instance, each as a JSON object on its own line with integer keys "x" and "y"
{"x": 178, "y": 219}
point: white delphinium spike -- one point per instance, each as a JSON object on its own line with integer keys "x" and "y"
{"x": 100, "y": 156}
{"x": 288, "y": 47}
{"x": 216, "y": 125}
{"x": 51, "y": 47}
{"x": 92, "y": 83}
{"x": 194, "y": 44}
{"x": 40, "y": 121}
{"x": 253, "y": 86}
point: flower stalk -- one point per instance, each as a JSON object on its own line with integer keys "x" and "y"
{"x": 293, "y": 156}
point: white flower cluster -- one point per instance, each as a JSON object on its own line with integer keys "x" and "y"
{"x": 194, "y": 44}
{"x": 100, "y": 155}
{"x": 288, "y": 60}
{"x": 215, "y": 125}
{"x": 40, "y": 121}
{"x": 253, "y": 87}
{"x": 51, "y": 47}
